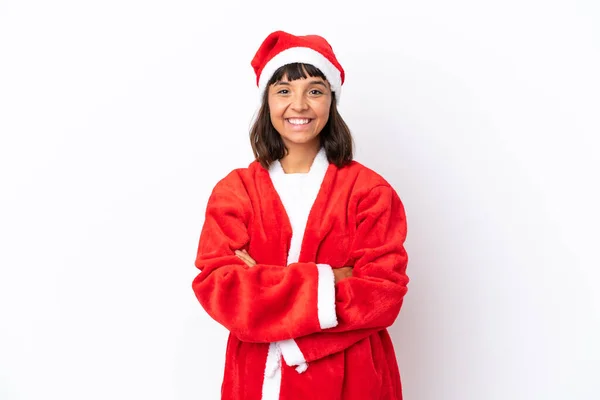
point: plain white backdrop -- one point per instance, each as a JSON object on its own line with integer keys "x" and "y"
{"x": 118, "y": 117}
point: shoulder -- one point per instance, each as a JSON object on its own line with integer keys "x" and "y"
{"x": 238, "y": 180}
{"x": 363, "y": 178}
{"x": 371, "y": 191}
{"x": 369, "y": 188}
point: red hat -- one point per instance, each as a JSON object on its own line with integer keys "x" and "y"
{"x": 281, "y": 48}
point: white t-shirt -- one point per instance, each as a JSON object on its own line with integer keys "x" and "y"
{"x": 298, "y": 193}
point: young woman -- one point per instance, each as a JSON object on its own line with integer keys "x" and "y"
{"x": 301, "y": 254}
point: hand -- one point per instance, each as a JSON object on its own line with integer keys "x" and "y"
{"x": 245, "y": 257}
{"x": 342, "y": 273}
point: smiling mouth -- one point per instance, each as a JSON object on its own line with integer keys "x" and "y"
{"x": 298, "y": 121}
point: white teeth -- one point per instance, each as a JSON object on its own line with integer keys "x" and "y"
{"x": 298, "y": 121}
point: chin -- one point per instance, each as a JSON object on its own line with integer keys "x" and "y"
{"x": 301, "y": 141}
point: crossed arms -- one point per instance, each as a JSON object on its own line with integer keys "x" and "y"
{"x": 320, "y": 309}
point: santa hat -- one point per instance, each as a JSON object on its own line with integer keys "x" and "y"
{"x": 282, "y": 48}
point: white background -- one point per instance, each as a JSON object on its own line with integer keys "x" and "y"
{"x": 118, "y": 117}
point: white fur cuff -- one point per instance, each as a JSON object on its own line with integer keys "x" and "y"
{"x": 326, "y": 297}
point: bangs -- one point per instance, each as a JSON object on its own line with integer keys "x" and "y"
{"x": 296, "y": 71}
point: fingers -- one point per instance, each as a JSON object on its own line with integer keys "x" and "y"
{"x": 242, "y": 256}
{"x": 245, "y": 257}
{"x": 342, "y": 273}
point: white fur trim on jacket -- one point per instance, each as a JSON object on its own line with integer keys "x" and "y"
{"x": 326, "y": 297}
{"x": 272, "y": 380}
{"x": 292, "y": 355}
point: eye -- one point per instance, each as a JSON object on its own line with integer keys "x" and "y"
{"x": 315, "y": 92}
{"x": 283, "y": 91}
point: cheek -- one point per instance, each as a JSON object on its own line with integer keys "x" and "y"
{"x": 276, "y": 108}
{"x": 322, "y": 107}
{"x": 324, "y": 113}
{"x": 274, "y": 114}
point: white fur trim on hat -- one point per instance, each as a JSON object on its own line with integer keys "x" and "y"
{"x": 302, "y": 55}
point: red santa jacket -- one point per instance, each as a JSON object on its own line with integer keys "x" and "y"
{"x": 331, "y": 337}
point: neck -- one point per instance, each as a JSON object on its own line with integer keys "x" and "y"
{"x": 299, "y": 159}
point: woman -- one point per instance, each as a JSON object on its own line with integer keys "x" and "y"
{"x": 301, "y": 254}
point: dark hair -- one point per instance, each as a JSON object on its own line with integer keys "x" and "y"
{"x": 266, "y": 142}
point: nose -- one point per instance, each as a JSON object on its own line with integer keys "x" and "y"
{"x": 299, "y": 102}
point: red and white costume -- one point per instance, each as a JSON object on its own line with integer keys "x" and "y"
{"x": 295, "y": 334}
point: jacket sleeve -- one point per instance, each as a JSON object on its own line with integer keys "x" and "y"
{"x": 265, "y": 303}
{"x": 371, "y": 299}
{"x": 373, "y": 296}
